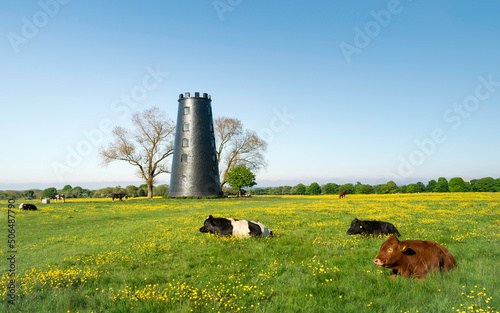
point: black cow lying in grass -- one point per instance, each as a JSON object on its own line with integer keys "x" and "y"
{"x": 373, "y": 228}
{"x": 238, "y": 228}
{"x": 27, "y": 206}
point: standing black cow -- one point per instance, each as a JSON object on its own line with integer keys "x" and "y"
{"x": 28, "y": 207}
{"x": 119, "y": 196}
{"x": 238, "y": 228}
{"x": 374, "y": 228}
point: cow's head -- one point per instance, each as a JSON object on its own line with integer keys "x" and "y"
{"x": 208, "y": 225}
{"x": 355, "y": 228}
{"x": 21, "y": 206}
{"x": 391, "y": 252}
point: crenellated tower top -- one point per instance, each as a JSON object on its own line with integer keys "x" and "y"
{"x": 196, "y": 95}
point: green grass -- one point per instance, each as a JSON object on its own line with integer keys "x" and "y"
{"x": 148, "y": 256}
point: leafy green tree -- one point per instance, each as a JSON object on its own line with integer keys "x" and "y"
{"x": 431, "y": 185}
{"x": 255, "y": 191}
{"x": 75, "y": 193}
{"x": 364, "y": 189}
{"x": 11, "y": 194}
{"x": 330, "y": 189}
{"x": 38, "y": 193}
{"x": 267, "y": 190}
{"x": 277, "y": 191}
{"x": 104, "y": 192}
{"x": 484, "y": 184}
{"x": 28, "y": 194}
{"x": 389, "y": 187}
{"x": 160, "y": 191}
{"x": 392, "y": 187}
{"x": 349, "y": 188}
{"x": 85, "y": 193}
{"x": 239, "y": 177}
{"x": 313, "y": 189}
{"x": 131, "y": 190}
{"x": 260, "y": 191}
{"x": 457, "y": 184}
{"x": 287, "y": 190}
{"x": 412, "y": 188}
{"x": 403, "y": 188}
{"x": 141, "y": 192}
{"x": 119, "y": 189}
{"x": 300, "y": 189}
{"x": 49, "y": 192}
{"x": 496, "y": 187}
{"x": 441, "y": 185}
{"x": 421, "y": 187}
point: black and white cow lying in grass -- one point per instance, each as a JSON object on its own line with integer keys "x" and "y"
{"x": 27, "y": 206}
{"x": 237, "y": 228}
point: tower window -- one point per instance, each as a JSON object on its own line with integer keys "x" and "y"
{"x": 209, "y": 110}
{"x": 185, "y": 127}
{"x": 211, "y": 127}
{"x": 185, "y": 142}
{"x": 187, "y": 110}
{"x": 184, "y": 158}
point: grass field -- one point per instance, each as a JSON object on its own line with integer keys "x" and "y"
{"x": 148, "y": 255}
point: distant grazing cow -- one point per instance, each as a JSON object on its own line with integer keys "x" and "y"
{"x": 119, "y": 196}
{"x": 374, "y": 228}
{"x": 28, "y": 207}
{"x": 59, "y": 197}
{"x": 413, "y": 258}
{"x": 237, "y": 228}
{"x": 342, "y": 194}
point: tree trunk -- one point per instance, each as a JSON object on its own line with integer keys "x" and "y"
{"x": 150, "y": 189}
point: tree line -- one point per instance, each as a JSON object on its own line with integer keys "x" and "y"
{"x": 79, "y": 192}
{"x": 456, "y": 184}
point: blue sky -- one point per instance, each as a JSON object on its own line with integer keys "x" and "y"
{"x": 344, "y": 91}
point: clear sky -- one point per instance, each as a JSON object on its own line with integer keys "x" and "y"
{"x": 344, "y": 91}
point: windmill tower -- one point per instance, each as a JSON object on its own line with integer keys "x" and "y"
{"x": 195, "y": 171}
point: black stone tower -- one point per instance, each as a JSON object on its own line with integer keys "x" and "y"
{"x": 194, "y": 165}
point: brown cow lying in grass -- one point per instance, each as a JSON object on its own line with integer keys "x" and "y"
{"x": 413, "y": 258}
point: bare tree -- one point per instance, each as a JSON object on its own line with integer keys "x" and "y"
{"x": 147, "y": 146}
{"x": 237, "y": 146}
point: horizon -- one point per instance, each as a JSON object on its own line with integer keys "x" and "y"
{"x": 371, "y": 92}
{"x": 264, "y": 184}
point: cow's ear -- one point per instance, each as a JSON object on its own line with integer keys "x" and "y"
{"x": 355, "y": 219}
{"x": 211, "y": 220}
